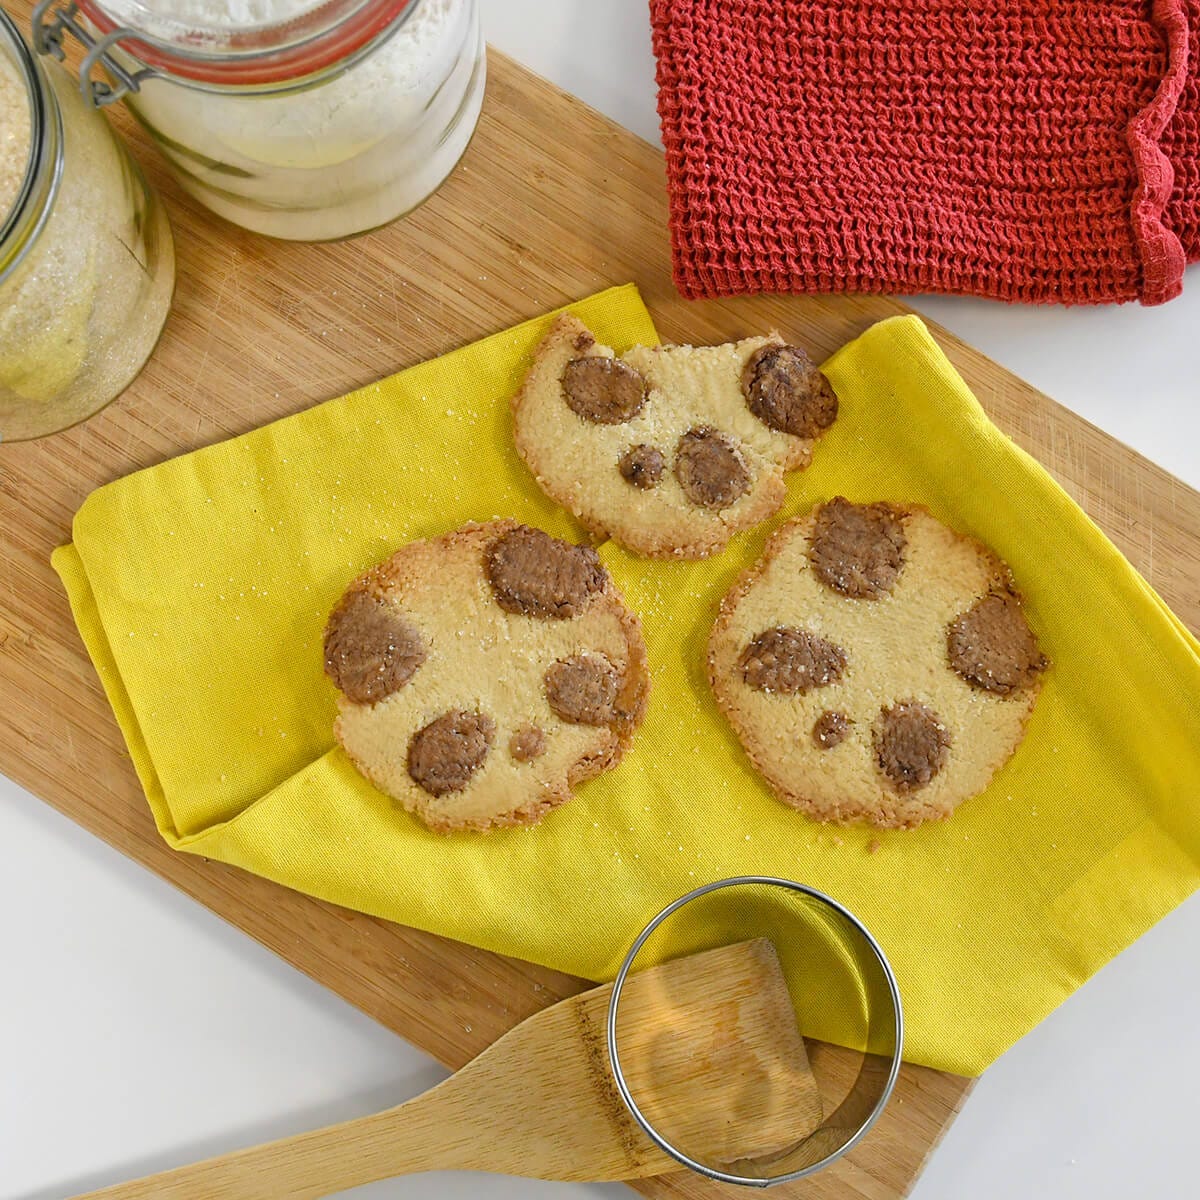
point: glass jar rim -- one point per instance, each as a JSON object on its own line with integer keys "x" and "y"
{"x": 20, "y": 226}
{"x": 312, "y": 42}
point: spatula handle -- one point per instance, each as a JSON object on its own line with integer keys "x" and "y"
{"x": 309, "y": 1165}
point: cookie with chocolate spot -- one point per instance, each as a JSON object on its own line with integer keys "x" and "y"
{"x": 991, "y": 645}
{"x": 710, "y": 468}
{"x": 858, "y": 549}
{"x": 642, "y": 466}
{"x": 911, "y": 744}
{"x": 371, "y": 651}
{"x": 537, "y": 575}
{"x": 583, "y": 689}
{"x": 702, "y": 436}
{"x": 785, "y": 390}
{"x": 443, "y": 755}
{"x": 605, "y": 391}
{"x": 875, "y": 665}
{"x": 830, "y": 729}
{"x": 528, "y": 743}
{"x": 791, "y": 661}
{"x": 483, "y": 675}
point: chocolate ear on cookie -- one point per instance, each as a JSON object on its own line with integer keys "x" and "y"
{"x": 483, "y": 675}
{"x": 670, "y": 450}
{"x": 875, "y": 665}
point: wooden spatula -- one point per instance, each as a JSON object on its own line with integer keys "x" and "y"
{"x": 709, "y": 1043}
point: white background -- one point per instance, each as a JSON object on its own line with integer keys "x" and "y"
{"x": 138, "y": 1031}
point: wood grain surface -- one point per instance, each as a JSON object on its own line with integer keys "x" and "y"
{"x": 552, "y": 202}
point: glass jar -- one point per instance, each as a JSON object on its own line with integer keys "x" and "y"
{"x": 87, "y": 265}
{"x": 295, "y": 118}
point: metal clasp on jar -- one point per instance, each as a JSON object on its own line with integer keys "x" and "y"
{"x": 52, "y": 21}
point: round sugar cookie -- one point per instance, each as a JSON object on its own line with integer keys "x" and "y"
{"x": 482, "y": 675}
{"x": 875, "y": 665}
{"x": 670, "y": 450}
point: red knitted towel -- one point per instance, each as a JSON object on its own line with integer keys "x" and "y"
{"x": 1037, "y": 150}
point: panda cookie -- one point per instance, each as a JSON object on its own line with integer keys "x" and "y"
{"x": 875, "y": 665}
{"x": 483, "y": 674}
{"x": 670, "y": 450}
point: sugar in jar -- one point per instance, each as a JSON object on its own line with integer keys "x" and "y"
{"x": 87, "y": 264}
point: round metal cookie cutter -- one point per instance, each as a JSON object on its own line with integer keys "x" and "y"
{"x": 862, "y": 1105}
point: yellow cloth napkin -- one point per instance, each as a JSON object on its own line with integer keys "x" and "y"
{"x": 201, "y": 587}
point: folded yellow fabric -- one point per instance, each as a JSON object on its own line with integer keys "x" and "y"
{"x": 201, "y": 587}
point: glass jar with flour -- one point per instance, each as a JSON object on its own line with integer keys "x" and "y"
{"x": 298, "y": 119}
{"x": 87, "y": 264}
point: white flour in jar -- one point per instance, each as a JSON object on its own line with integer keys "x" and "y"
{"x": 345, "y": 153}
{"x": 14, "y": 136}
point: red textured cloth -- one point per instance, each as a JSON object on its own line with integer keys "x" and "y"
{"x": 1023, "y": 150}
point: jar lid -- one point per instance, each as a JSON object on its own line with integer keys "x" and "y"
{"x": 243, "y": 42}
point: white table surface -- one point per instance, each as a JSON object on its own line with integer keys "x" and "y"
{"x": 138, "y": 1031}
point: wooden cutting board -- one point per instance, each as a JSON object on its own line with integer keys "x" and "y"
{"x": 551, "y": 203}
